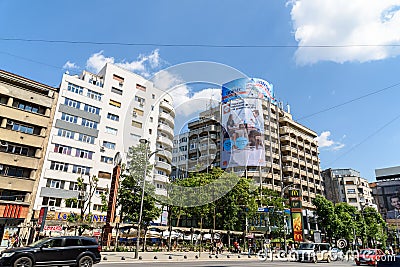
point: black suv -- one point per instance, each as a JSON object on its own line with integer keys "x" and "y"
{"x": 64, "y": 250}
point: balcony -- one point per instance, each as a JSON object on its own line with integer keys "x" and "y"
{"x": 166, "y": 129}
{"x": 164, "y": 140}
{"x": 165, "y": 154}
{"x": 161, "y": 178}
{"x": 164, "y": 166}
{"x": 288, "y": 179}
{"x": 287, "y": 168}
{"x": 167, "y": 106}
{"x": 19, "y": 160}
{"x": 284, "y": 130}
{"x": 167, "y": 117}
{"x": 16, "y": 137}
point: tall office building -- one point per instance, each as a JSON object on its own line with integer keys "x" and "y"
{"x": 97, "y": 116}
{"x": 346, "y": 185}
{"x": 26, "y": 114}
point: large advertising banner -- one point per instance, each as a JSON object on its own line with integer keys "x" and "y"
{"x": 247, "y": 88}
{"x": 243, "y": 133}
{"x": 297, "y": 223}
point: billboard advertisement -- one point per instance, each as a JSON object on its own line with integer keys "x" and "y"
{"x": 247, "y": 88}
{"x": 297, "y": 223}
{"x": 243, "y": 133}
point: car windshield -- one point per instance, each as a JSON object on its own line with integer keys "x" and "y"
{"x": 368, "y": 252}
{"x": 39, "y": 242}
{"x": 306, "y": 246}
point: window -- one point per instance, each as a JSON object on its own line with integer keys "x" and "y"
{"x": 111, "y": 131}
{"x": 100, "y": 191}
{"x": 22, "y": 128}
{"x": 116, "y": 90}
{"x": 109, "y": 145}
{"x": 112, "y": 117}
{"x": 152, "y": 107}
{"x": 66, "y": 133}
{"x": 352, "y": 200}
{"x": 140, "y": 100}
{"x": 115, "y": 103}
{"x": 105, "y": 159}
{"x": 69, "y": 118}
{"x": 141, "y": 87}
{"x": 52, "y": 202}
{"x": 89, "y": 124}
{"x": 72, "y": 103}
{"x": 21, "y": 150}
{"x": 59, "y": 166}
{"x": 72, "y": 242}
{"x": 83, "y": 154}
{"x": 15, "y": 171}
{"x": 351, "y": 191}
{"x": 153, "y": 96}
{"x": 62, "y": 149}
{"x": 137, "y": 124}
{"x": 349, "y": 182}
{"x": 94, "y": 95}
{"x": 150, "y": 131}
{"x": 118, "y": 79}
{"x": 97, "y": 207}
{"x": 105, "y": 175}
{"x": 151, "y": 119}
{"x": 27, "y": 106}
{"x": 91, "y": 109}
{"x": 57, "y": 184}
{"x": 81, "y": 169}
{"x": 86, "y": 138}
{"x": 75, "y": 88}
{"x": 138, "y": 112}
{"x": 74, "y": 186}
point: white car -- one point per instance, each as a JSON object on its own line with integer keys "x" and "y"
{"x": 337, "y": 254}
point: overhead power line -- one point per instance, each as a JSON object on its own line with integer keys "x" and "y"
{"x": 194, "y": 45}
{"x": 349, "y": 101}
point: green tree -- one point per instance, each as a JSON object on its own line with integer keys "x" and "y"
{"x": 84, "y": 202}
{"x": 326, "y": 217}
{"x": 375, "y": 227}
{"x": 130, "y": 190}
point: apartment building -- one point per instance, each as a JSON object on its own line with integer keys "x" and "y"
{"x": 98, "y": 115}
{"x": 26, "y": 114}
{"x": 346, "y": 185}
{"x": 386, "y": 192}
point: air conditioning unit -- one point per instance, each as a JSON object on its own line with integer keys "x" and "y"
{"x": 3, "y": 143}
{"x": 10, "y": 123}
{"x": 1, "y": 167}
{"x": 52, "y": 208}
{"x": 134, "y": 114}
{"x": 102, "y": 149}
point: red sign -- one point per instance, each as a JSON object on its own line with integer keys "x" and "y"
{"x": 56, "y": 228}
{"x": 97, "y": 233}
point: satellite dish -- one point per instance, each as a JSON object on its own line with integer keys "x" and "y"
{"x": 117, "y": 159}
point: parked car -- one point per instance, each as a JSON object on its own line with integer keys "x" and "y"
{"x": 314, "y": 252}
{"x": 369, "y": 256}
{"x": 64, "y": 250}
{"x": 337, "y": 254}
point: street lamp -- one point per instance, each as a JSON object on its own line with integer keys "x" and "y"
{"x": 147, "y": 156}
{"x": 284, "y": 188}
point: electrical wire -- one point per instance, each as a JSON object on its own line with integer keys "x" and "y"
{"x": 349, "y": 101}
{"x": 194, "y": 45}
{"x": 365, "y": 139}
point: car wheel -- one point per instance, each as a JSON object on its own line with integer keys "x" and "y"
{"x": 328, "y": 260}
{"x": 85, "y": 261}
{"x": 23, "y": 262}
{"x": 357, "y": 263}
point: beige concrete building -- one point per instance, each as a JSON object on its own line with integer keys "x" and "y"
{"x": 346, "y": 185}
{"x": 26, "y": 115}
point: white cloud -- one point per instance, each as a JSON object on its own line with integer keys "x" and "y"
{"x": 145, "y": 65}
{"x": 343, "y": 22}
{"x": 70, "y": 65}
{"x": 324, "y": 141}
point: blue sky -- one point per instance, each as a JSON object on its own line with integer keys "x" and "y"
{"x": 310, "y": 79}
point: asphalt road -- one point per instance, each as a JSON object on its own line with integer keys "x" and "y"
{"x": 222, "y": 263}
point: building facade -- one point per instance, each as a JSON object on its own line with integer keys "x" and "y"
{"x": 26, "y": 114}
{"x": 386, "y": 191}
{"x": 98, "y": 115}
{"x": 346, "y": 185}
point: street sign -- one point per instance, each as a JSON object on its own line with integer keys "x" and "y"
{"x": 262, "y": 210}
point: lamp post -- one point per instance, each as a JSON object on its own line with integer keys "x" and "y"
{"x": 147, "y": 156}
{"x": 283, "y": 190}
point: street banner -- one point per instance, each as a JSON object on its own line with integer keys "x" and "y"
{"x": 297, "y": 223}
{"x": 42, "y": 218}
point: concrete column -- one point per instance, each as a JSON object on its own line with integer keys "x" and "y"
{"x": 47, "y": 112}
{"x": 33, "y": 172}
{"x": 43, "y": 132}
{"x": 3, "y": 123}
{"x": 38, "y": 153}
{"x": 10, "y": 101}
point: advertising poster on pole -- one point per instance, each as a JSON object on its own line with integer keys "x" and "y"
{"x": 247, "y": 88}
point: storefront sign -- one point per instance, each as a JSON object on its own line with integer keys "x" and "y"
{"x": 56, "y": 228}
{"x": 62, "y": 216}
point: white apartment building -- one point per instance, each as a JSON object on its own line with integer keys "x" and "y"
{"x": 346, "y": 185}
{"x": 98, "y": 115}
